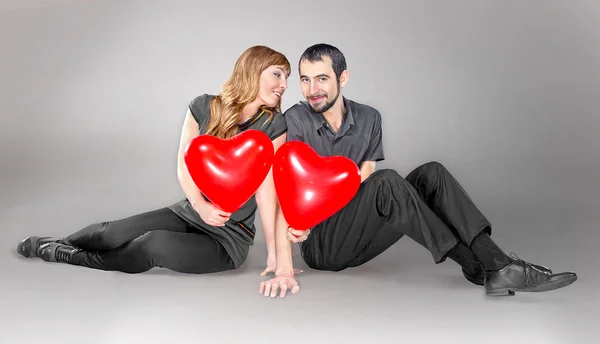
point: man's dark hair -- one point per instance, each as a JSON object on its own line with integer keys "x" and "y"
{"x": 316, "y": 53}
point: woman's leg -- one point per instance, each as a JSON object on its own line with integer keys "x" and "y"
{"x": 193, "y": 252}
{"x": 108, "y": 235}
{"x": 112, "y": 234}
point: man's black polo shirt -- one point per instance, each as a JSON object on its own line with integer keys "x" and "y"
{"x": 359, "y": 138}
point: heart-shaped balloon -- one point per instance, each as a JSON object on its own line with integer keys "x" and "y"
{"x": 229, "y": 171}
{"x": 311, "y": 188}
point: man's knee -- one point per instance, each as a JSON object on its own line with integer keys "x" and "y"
{"x": 431, "y": 170}
{"x": 433, "y": 167}
{"x": 325, "y": 261}
{"x": 386, "y": 176}
{"x": 326, "y": 266}
{"x": 389, "y": 182}
{"x": 386, "y": 173}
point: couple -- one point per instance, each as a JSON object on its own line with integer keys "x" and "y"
{"x": 192, "y": 236}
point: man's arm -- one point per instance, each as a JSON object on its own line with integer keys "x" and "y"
{"x": 366, "y": 169}
{"x": 375, "y": 150}
{"x": 294, "y": 129}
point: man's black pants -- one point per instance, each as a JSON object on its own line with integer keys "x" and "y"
{"x": 429, "y": 206}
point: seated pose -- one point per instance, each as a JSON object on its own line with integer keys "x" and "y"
{"x": 192, "y": 235}
{"x": 429, "y": 205}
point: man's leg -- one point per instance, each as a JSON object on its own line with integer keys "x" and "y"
{"x": 446, "y": 197}
{"x": 450, "y": 202}
{"x": 461, "y": 254}
{"x": 385, "y": 208}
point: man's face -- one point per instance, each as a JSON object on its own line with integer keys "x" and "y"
{"x": 319, "y": 85}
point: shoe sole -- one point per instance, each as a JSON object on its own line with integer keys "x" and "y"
{"x": 561, "y": 283}
{"x": 25, "y": 248}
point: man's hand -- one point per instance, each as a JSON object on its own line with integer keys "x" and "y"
{"x": 283, "y": 282}
{"x": 272, "y": 265}
{"x": 295, "y": 235}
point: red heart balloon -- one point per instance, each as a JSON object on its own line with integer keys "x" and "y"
{"x": 311, "y": 188}
{"x": 228, "y": 172}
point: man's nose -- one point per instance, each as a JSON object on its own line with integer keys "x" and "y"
{"x": 313, "y": 88}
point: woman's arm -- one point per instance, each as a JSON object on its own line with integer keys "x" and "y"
{"x": 266, "y": 200}
{"x": 205, "y": 209}
{"x": 188, "y": 132}
{"x": 284, "y": 273}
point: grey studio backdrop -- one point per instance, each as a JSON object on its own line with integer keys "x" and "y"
{"x": 504, "y": 93}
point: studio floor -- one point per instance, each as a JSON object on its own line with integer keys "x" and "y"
{"x": 93, "y": 98}
{"x": 400, "y": 297}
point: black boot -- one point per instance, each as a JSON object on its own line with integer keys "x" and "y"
{"x": 29, "y": 247}
{"x": 57, "y": 252}
{"x": 521, "y": 276}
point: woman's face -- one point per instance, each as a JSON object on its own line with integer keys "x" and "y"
{"x": 272, "y": 85}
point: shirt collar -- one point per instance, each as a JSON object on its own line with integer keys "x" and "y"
{"x": 319, "y": 121}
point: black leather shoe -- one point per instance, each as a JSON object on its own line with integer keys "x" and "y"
{"x": 57, "y": 252}
{"x": 476, "y": 278}
{"x": 28, "y": 247}
{"x": 479, "y": 276}
{"x": 520, "y": 276}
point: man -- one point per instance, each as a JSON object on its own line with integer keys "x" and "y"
{"x": 429, "y": 206}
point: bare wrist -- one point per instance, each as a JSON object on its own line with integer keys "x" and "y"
{"x": 196, "y": 202}
{"x": 284, "y": 270}
{"x": 271, "y": 251}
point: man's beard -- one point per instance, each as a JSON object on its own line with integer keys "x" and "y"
{"x": 327, "y": 105}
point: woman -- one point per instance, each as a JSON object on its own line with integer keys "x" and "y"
{"x": 192, "y": 236}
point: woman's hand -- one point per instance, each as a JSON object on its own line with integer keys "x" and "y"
{"x": 272, "y": 265}
{"x": 282, "y": 283}
{"x": 210, "y": 214}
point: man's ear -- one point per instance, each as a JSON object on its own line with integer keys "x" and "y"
{"x": 344, "y": 78}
